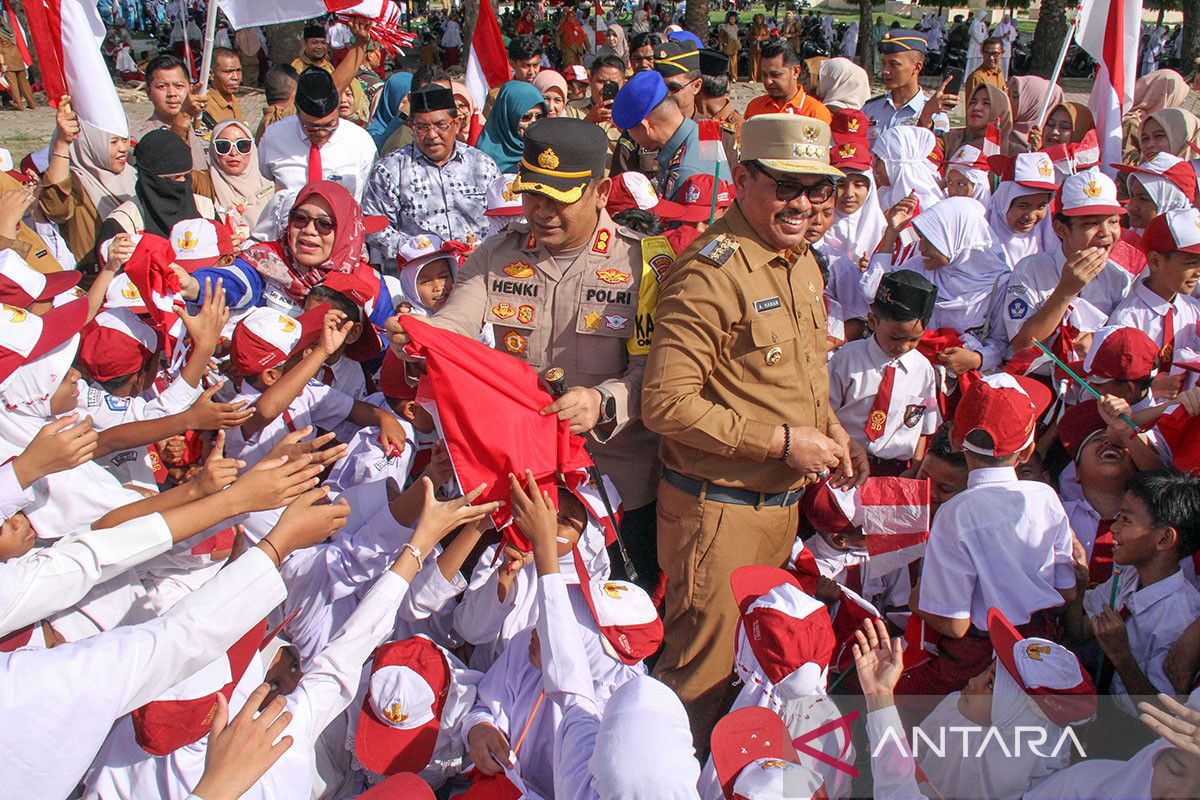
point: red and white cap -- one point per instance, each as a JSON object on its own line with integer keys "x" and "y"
{"x": 1031, "y": 170}
{"x": 1049, "y": 673}
{"x": 502, "y": 201}
{"x": 630, "y": 626}
{"x": 266, "y": 338}
{"x": 417, "y": 251}
{"x": 831, "y": 510}
{"x": 1078, "y": 425}
{"x": 393, "y": 378}
{"x": 754, "y": 758}
{"x": 785, "y": 636}
{"x": 122, "y": 293}
{"x": 115, "y": 344}
{"x": 200, "y": 243}
{"x": 1118, "y": 353}
{"x": 632, "y": 189}
{"x": 21, "y": 285}
{"x": 401, "y": 786}
{"x": 402, "y": 712}
{"x": 575, "y": 72}
{"x": 1089, "y": 193}
{"x": 1169, "y": 167}
{"x": 969, "y": 156}
{"x": 1177, "y": 230}
{"x": 1007, "y": 407}
{"x": 25, "y": 337}
{"x": 183, "y": 714}
{"x": 696, "y": 199}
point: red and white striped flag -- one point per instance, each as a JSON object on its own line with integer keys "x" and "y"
{"x": 1108, "y": 31}
{"x": 250, "y": 13}
{"x": 847, "y": 618}
{"x": 487, "y": 63}
{"x": 67, "y": 35}
{"x": 895, "y": 521}
{"x": 991, "y": 141}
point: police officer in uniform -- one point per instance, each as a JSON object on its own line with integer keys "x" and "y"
{"x": 736, "y": 385}
{"x": 562, "y": 291}
{"x": 645, "y": 112}
{"x": 902, "y": 53}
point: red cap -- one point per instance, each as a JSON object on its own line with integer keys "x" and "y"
{"x": 847, "y": 123}
{"x": 401, "y": 786}
{"x": 200, "y": 243}
{"x": 1168, "y": 166}
{"x": 115, "y": 344}
{"x": 1174, "y": 231}
{"x": 744, "y": 736}
{"x": 1077, "y": 425}
{"x": 393, "y": 379}
{"x": 21, "y": 285}
{"x": 696, "y": 197}
{"x": 634, "y": 190}
{"x": 402, "y": 712}
{"x": 1049, "y": 673}
{"x": 785, "y": 627}
{"x": 822, "y": 507}
{"x": 1121, "y": 354}
{"x": 266, "y": 338}
{"x": 26, "y": 337}
{"x": 361, "y": 285}
{"x": 851, "y": 152}
{"x": 1031, "y": 170}
{"x": 1005, "y": 406}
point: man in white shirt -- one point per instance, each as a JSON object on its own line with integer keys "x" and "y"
{"x": 979, "y": 32}
{"x": 313, "y": 145}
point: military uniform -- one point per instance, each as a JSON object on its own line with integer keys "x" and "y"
{"x": 738, "y": 351}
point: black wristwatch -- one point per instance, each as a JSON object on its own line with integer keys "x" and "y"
{"x": 608, "y": 405}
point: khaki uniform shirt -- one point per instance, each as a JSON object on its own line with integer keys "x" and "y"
{"x": 28, "y": 244}
{"x": 221, "y": 109}
{"x": 579, "y": 318}
{"x": 738, "y": 349}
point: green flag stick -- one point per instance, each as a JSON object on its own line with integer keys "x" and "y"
{"x": 1124, "y": 417}
{"x": 1112, "y": 603}
{"x": 712, "y": 210}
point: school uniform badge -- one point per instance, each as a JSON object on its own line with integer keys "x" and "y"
{"x": 913, "y": 415}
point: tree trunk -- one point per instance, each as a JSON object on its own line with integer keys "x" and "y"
{"x": 696, "y": 18}
{"x": 866, "y": 47}
{"x": 1191, "y": 36}
{"x": 1048, "y": 37}
{"x": 470, "y": 17}
{"x": 284, "y": 41}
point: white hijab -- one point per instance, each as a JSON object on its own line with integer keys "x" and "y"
{"x": 644, "y": 747}
{"x": 957, "y": 229}
{"x": 1016, "y": 246}
{"x": 981, "y": 187}
{"x": 1165, "y": 194}
{"x": 989, "y": 771}
{"x": 905, "y": 151}
{"x": 854, "y": 234}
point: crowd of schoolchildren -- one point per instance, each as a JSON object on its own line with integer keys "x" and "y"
{"x": 235, "y": 560}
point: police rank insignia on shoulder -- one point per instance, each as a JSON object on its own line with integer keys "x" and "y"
{"x": 720, "y": 249}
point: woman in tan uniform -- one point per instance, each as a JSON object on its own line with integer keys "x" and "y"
{"x": 12, "y": 64}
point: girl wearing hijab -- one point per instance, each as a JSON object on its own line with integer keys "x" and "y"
{"x": 1067, "y": 123}
{"x": 967, "y": 175}
{"x": 1165, "y": 184}
{"x": 1171, "y": 130}
{"x": 617, "y": 42}
{"x": 903, "y": 167}
{"x": 464, "y": 103}
{"x": 1162, "y": 88}
{"x": 987, "y": 106}
{"x": 86, "y": 179}
{"x": 163, "y": 194}
{"x": 1017, "y": 216}
{"x": 325, "y": 233}
{"x": 240, "y": 192}
{"x": 388, "y": 117}
{"x": 810, "y": 72}
{"x": 518, "y": 105}
{"x": 730, "y": 43}
{"x": 842, "y": 84}
{"x": 1026, "y": 93}
{"x": 641, "y": 21}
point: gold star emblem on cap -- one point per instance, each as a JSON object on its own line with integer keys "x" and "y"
{"x": 548, "y": 159}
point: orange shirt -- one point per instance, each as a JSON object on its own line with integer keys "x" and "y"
{"x": 801, "y": 103}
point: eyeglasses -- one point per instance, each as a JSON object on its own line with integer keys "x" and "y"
{"x": 676, "y": 88}
{"x": 299, "y": 220}
{"x": 225, "y": 146}
{"x": 420, "y": 128}
{"x": 324, "y": 127}
{"x": 787, "y": 191}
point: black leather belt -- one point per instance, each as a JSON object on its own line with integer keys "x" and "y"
{"x": 728, "y": 494}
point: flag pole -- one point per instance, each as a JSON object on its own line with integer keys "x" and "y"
{"x": 712, "y": 209}
{"x": 210, "y": 36}
{"x": 1058, "y": 65}
{"x": 187, "y": 46}
{"x": 1124, "y": 417}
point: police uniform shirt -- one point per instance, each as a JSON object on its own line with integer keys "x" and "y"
{"x": 855, "y": 373}
{"x": 1157, "y": 615}
{"x": 320, "y": 406}
{"x": 1002, "y": 543}
{"x": 1035, "y": 277}
{"x": 883, "y": 113}
{"x": 679, "y": 159}
{"x": 346, "y": 158}
{"x": 1145, "y": 310}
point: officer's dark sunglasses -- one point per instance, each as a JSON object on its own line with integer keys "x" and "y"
{"x": 224, "y": 146}
{"x": 787, "y": 191}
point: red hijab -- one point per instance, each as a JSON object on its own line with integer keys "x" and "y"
{"x": 274, "y": 260}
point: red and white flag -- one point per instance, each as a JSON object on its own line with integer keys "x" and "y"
{"x": 249, "y": 13}
{"x": 895, "y": 522}
{"x": 149, "y": 270}
{"x": 18, "y": 34}
{"x": 1108, "y": 31}
{"x": 67, "y": 35}
{"x": 487, "y": 63}
{"x": 991, "y": 141}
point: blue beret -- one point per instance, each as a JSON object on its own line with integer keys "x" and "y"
{"x": 903, "y": 40}
{"x": 637, "y": 98}
{"x": 687, "y": 37}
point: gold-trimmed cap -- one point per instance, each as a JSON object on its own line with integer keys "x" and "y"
{"x": 788, "y": 143}
{"x": 562, "y": 155}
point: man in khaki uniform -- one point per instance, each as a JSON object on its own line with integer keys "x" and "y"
{"x": 563, "y": 292}
{"x": 736, "y": 385}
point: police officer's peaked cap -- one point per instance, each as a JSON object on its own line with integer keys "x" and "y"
{"x": 903, "y": 40}
{"x": 676, "y": 58}
{"x": 562, "y": 155}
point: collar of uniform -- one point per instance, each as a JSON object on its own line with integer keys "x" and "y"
{"x": 217, "y": 99}
{"x": 1146, "y": 596}
{"x": 753, "y": 248}
{"x": 666, "y": 153}
{"x": 988, "y": 475}
{"x": 916, "y": 102}
{"x": 883, "y": 359}
{"x": 1152, "y": 299}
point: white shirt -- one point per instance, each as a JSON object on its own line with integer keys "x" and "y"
{"x": 13, "y": 498}
{"x": 46, "y": 693}
{"x": 346, "y": 158}
{"x": 339, "y": 35}
{"x": 1146, "y": 311}
{"x": 855, "y": 374}
{"x": 1002, "y": 543}
{"x": 1035, "y": 277}
{"x": 318, "y": 405}
{"x": 1158, "y": 614}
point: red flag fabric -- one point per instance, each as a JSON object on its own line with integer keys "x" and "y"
{"x": 150, "y": 272}
{"x": 895, "y": 521}
{"x": 920, "y": 642}
{"x": 18, "y": 34}
{"x": 1109, "y": 30}
{"x": 848, "y": 617}
{"x": 487, "y": 63}
{"x": 486, "y": 405}
{"x": 1182, "y": 433}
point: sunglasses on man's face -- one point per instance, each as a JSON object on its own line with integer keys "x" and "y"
{"x": 323, "y": 225}
{"x": 225, "y": 146}
{"x": 786, "y": 191}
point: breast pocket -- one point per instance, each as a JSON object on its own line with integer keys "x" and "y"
{"x": 605, "y": 319}
{"x": 767, "y": 349}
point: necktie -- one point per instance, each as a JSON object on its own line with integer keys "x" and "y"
{"x": 1167, "y": 354}
{"x": 314, "y": 163}
{"x": 327, "y": 375}
{"x": 877, "y": 419}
